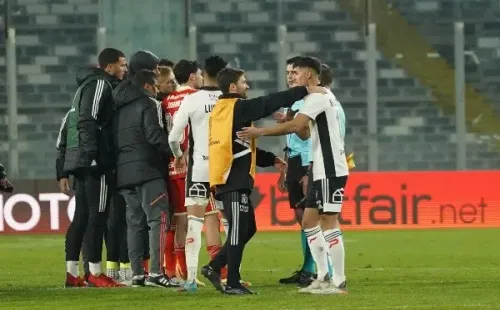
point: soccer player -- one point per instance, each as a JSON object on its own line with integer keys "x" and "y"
{"x": 195, "y": 111}
{"x": 167, "y": 84}
{"x": 90, "y": 159}
{"x": 294, "y": 181}
{"x": 330, "y": 172}
{"x": 188, "y": 75}
{"x": 232, "y": 167}
{"x": 64, "y": 186}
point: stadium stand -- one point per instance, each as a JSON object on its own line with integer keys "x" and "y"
{"x": 416, "y": 128}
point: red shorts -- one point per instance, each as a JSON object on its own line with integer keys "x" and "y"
{"x": 176, "y": 195}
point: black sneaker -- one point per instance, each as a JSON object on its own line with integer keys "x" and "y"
{"x": 293, "y": 279}
{"x": 213, "y": 276}
{"x": 159, "y": 281}
{"x": 305, "y": 279}
{"x": 138, "y": 282}
{"x": 240, "y": 290}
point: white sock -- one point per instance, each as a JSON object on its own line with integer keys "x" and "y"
{"x": 225, "y": 225}
{"x": 193, "y": 245}
{"x": 336, "y": 248}
{"x": 95, "y": 269}
{"x": 72, "y": 268}
{"x": 318, "y": 247}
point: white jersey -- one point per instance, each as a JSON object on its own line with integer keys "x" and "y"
{"x": 195, "y": 110}
{"x": 328, "y": 153}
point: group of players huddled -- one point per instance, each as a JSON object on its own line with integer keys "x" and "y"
{"x": 136, "y": 142}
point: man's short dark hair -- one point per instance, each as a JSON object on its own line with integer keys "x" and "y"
{"x": 308, "y": 62}
{"x": 228, "y": 76}
{"x": 214, "y": 64}
{"x": 326, "y": 75}
{"x": 109, "y": 56}
{"x": 291, "y": 61}
{"x": 144, "y": 76}
{"x": 166, "y": 63}
{"x": 183, "y": 69}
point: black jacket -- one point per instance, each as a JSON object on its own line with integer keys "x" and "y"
{"x": 89, "y": 141}
{"x": 141, "y": 144}
{"x": 61, "y": 148}
{"x": 247, "y": 111}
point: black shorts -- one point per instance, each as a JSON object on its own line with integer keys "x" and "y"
{"x": 197, "y": 192}
{"x": 327, "y": 195}
{"x": 294, "y": 174}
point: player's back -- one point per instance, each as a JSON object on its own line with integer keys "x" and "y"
{"x": 200, "y": 104}
{"x": 326, "y": 134}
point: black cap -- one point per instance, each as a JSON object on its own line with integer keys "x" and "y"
{"x": 143, "y": 60}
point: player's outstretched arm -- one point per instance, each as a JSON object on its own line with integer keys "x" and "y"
{"x": 251, "y": 110}
{"x": 299, "y": 125}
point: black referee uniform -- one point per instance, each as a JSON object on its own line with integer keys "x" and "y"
{"x": 235, "y": 193}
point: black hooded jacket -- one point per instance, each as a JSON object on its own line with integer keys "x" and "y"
{"x": 88, "y": 131}
{"x": 141, "y": 144}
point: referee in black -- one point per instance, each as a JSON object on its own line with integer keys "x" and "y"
{"x": 232, "y": 167}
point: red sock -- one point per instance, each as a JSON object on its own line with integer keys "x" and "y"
{"x": 213, "y": 250}
{"x": 145, "y": 264}
{"x": 169, "y": 254}
{"x": 180, "y": 255}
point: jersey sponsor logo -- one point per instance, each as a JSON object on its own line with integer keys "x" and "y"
{"x": 197, "y": 190}
{"x": 204, "y": 157}
{"x": 174, "y": 104}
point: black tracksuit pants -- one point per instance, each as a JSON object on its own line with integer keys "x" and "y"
{"x": 93, "y": 194}
{"x": 116, "y": 232}
{"x": 240, "y": 215}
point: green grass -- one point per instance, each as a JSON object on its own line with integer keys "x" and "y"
{"x": 445, "y": 269}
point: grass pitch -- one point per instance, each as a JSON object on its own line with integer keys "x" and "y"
{"x": 439, "y": 269}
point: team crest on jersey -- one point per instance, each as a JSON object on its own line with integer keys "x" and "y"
{"x": 197, "y": 190}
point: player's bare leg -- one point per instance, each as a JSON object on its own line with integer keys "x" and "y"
{"x": 180, "y": 244}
